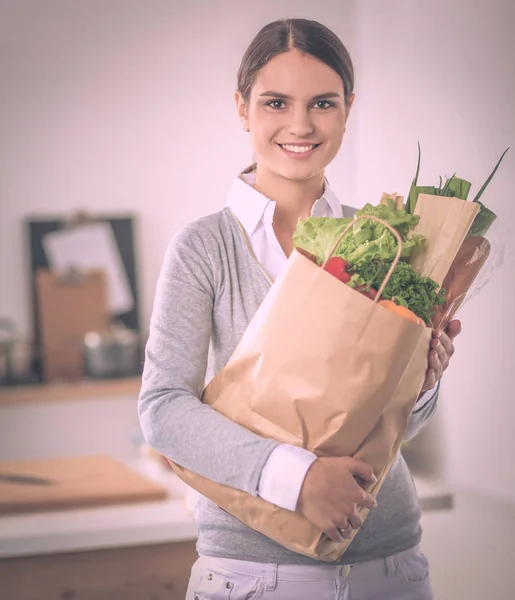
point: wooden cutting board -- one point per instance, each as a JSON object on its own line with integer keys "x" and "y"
{"x": 76, "y": 482}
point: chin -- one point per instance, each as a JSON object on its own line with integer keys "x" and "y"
{"x": 300, "y": 173}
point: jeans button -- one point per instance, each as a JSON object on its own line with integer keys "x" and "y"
{"x": 345, "y": 570}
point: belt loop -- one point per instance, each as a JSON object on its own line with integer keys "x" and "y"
{"x": 271, "y": 577}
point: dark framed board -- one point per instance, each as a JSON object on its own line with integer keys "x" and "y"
{"x": 123, "y": 228}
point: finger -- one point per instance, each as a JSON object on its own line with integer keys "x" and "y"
{"x": 434, "y": 363}
{"x": 335, "y": 535}
{"x": 355, "y": 520}
{"x": 453, "y": 329}
{"x": 346, "y": 530}
{"x": 447, "y": 344}
{"x": 363, "y": 470}
{"x": 430, "y": 381}
{"x": 439, "y": 347}
{"x": 367, "y": 501}
{"x": 443, "y": 356}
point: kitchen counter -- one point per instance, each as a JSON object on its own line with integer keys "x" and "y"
{"x": 103, "y": 527}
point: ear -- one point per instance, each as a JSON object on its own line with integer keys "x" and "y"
{"x": 350, "y": 103}
{"x": 241, "y": 107}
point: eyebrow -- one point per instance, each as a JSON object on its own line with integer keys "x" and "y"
{"x": 285, "y": 97}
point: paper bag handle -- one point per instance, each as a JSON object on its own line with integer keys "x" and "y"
{"x": 395, "y": 260}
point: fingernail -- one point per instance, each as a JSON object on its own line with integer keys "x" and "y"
{"x": 438, "y": 334}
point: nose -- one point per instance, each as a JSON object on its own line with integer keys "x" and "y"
{"x": 301, "y": 124}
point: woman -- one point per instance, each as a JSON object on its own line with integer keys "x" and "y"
{"x": 295, "y": 92}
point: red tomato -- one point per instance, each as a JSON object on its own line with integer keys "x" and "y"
{"x": 337, "y": 266}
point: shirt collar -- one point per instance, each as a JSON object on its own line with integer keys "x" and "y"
{"x": 328, "y": 205}
{"x": 249, "y": 205}
{"x": 246, "y": 202}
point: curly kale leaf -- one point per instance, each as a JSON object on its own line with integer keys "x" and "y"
{"x": 419, "y": 294}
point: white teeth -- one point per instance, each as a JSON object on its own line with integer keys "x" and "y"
{"x": 297, "y": 149}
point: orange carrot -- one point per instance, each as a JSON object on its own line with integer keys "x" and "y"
{"x": 402, "y": 311}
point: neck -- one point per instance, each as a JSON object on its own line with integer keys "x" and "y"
{"x": 294, "y": 199}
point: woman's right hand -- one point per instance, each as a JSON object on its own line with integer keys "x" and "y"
{"x": 330, "y": 495}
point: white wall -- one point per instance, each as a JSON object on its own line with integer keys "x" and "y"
{"x": 127, "y": 105}
{"x": 115, "y": 105}
{"x": 444, "y": 73}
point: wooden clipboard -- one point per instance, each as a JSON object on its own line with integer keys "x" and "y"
{"x": 68, "y": 308}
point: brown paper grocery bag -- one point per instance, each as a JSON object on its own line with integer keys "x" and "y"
{"x": 323, "y": 367}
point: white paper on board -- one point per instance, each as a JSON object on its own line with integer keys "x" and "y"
{"x": 91, "y": 246}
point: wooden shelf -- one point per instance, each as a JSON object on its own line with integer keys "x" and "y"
{"x": 70, "y": 391}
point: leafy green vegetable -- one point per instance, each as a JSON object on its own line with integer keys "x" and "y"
{"x": 455, "y": 188}
{"x": 366, "y": 239}
{"x": 483, "y": 187}
{"x": 318, "y": 235}
{"x": 482, "y": 222}
{"x": 396, "y": 217}
{"x": 413, "y": 195}
{"x": 419, "y": 294}
{"x": 485, "y": 217}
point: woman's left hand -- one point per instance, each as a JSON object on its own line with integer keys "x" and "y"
{"x": 440, "y": 353}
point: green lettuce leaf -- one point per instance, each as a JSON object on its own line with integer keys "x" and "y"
{"x": 318, "y": 235}
{"x": 366, "y": 239}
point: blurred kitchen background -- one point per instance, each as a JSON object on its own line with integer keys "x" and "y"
{"x": 118, "y": 127}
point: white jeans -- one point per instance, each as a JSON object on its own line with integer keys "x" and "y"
{"x": 403, "y": 576}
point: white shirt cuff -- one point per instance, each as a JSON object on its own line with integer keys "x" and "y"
{"x": 283, "y": 475}
{"x": 426, "y": 397}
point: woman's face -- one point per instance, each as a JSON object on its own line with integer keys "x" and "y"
{"x": 296, "y": 115}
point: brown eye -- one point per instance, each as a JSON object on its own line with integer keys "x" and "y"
{"x": 277, "y": 104}
{"x": 323, "y": 104}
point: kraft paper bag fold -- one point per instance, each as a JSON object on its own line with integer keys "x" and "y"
{"x": 325, "y": 368}
{"x": 445, "y": 223}
{"x": 449, "y": 256}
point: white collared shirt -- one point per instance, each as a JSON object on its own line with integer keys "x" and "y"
{"x": 256, "y": 213}
{"x": 284, "y": 472}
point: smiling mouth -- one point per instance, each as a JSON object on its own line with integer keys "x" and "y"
{"x": 299, "y": 149}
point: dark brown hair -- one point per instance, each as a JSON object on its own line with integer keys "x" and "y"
{"x": 306, "y": 36}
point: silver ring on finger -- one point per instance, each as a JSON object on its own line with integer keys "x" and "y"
{"x": 345, "y": 530}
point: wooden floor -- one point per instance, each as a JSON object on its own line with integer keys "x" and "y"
{"x": 158, "y": 572}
